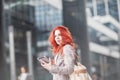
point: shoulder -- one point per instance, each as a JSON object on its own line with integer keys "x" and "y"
{"x": 68, "y": 46}
{"x": 68, "y": 50}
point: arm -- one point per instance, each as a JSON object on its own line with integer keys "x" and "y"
{"x": 68, "y": 61}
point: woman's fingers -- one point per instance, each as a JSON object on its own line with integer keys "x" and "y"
{"x": 50, "y": 61}
{"x": 46, "y": 65}
{"x": 42, "y": 62}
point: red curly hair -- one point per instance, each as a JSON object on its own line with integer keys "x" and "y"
{"x": 66, "y": 38}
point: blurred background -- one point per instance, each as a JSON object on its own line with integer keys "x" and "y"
{"x": 25, "y": 26}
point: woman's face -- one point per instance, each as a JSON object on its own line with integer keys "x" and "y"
{"x": 58, "y": 37}
{"x": 23, "y": 70}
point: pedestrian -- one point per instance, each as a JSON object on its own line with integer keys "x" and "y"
{"x": 24, "y": 75}
{"x": 64, "y": 54}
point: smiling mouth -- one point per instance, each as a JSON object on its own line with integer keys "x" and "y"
{"x": 58, "y": 40}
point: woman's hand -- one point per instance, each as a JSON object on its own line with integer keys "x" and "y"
{"x": 46, "y": 65}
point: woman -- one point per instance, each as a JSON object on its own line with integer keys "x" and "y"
{"x": 63, "y": 50}
{"x": 24, "y": 74}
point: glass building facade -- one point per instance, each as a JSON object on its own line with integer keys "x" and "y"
{"x": 95, "y": 31}
{"x": 103, "y": 29}
{"x": 37, "y": 17}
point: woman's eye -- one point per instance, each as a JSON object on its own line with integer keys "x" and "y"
{"x": 55, "y": 35}
{"x": 59, "y": 35}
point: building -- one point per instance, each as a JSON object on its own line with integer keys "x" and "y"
{"x": 25, "y": 27}
{"x": 103, "y": 22}
{"x": 99, "y": 45}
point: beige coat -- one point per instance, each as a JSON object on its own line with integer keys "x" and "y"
{"x": 63, "y": 65}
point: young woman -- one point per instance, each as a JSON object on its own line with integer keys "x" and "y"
{"x": 24, "y": 74}
{"x": 64, "y": 54}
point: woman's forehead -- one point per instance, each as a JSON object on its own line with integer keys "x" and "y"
{"x": 57, "y": 32}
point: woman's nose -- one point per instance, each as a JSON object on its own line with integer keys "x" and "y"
{"x": 57, "y": 37}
